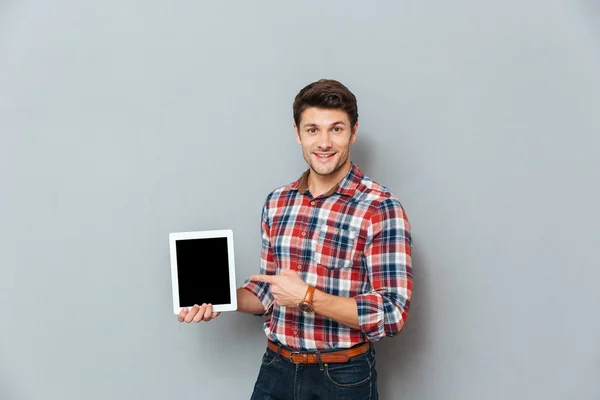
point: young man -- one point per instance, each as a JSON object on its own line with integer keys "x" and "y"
{"x": 335, "y": 272}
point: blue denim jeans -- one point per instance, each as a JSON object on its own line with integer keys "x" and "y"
{"x": 280, "y": 379}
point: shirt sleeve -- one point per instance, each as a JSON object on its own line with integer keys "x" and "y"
{"x": 267, "y": 266}
{"x": 383, "y": 311}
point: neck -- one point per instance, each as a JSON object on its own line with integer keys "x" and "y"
{"x": 319, "y": 184}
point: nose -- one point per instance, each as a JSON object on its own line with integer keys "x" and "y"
{"x": 324, "y": 140}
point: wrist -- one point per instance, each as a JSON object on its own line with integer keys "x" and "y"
{"x": 319, "y": 298}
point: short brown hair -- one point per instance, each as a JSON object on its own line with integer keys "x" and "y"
{"x": 326, "y": 93}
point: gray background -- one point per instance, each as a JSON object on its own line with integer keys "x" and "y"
{"x": 123, "y": 121}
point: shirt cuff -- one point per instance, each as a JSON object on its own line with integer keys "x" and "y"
{"x": 371, "y": 315}
{"x": 261, "y": 291}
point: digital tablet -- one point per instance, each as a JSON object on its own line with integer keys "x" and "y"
{"x": 203, "y": 269}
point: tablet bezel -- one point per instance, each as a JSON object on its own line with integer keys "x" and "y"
{"x": 227, "y": 233}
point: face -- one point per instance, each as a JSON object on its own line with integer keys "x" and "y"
{"x": 325, "y": 136}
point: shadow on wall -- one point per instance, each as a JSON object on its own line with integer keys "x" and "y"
{"x": 361, "y": 153}
{"x": 399, "y": 357}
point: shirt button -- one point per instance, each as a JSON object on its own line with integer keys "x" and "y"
{"x": 336, "y": 231}
{"x": 312, "y": 203}
{"x": 303, "y": 233}
{"x": 299, "y": 266}
{"x": 295, "y": 332}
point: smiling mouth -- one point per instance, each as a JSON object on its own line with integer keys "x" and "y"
{"x": 324, "y": 156}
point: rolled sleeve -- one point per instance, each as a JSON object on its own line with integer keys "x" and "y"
{"x": 384, "y": 310}
{"x": 267, "y": 267}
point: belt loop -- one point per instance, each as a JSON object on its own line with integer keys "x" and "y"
{"x": 319, "y": 359}
{"x": 278, "y": 352}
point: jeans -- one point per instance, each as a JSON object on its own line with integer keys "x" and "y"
{"x": 280, "y": 379}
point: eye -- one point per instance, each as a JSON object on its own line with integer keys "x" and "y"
{"x": 312, "y": 130}
{"x": 337, "y": 129}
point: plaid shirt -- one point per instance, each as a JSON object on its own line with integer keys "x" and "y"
{"x": 353, "y": 241}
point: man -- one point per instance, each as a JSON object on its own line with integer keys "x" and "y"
{"x": 335, "y": 272}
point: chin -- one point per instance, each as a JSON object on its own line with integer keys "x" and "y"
{"x": 325, "y": 170}
{"x": 322, "y": 171}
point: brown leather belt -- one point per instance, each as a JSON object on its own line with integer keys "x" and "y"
{"x": 340, "y": 356}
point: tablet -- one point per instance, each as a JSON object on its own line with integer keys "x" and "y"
{"x": 203, "y": 269}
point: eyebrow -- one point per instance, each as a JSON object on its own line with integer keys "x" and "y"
{"x": 316, "y": 126}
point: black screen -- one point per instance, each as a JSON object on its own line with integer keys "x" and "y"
{"x": 203, "y": 271}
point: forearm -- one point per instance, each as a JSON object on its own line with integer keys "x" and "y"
{"x": 247, "y": 302}
{"x": 341, "y": 309}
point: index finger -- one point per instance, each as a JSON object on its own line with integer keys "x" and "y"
{"x": 262, "y": 278}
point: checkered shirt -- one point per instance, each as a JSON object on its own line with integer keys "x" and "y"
{"x": 354, "y": 241}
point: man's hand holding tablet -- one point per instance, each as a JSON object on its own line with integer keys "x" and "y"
{"x": 197, "y": 313}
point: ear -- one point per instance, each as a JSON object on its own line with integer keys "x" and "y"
{"x": 298, "y": 139}
{"x": 353, "y": 135}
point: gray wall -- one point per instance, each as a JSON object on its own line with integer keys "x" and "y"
{"x": 123, "y": 121}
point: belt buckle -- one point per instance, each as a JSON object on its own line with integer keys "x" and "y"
{"x": 292, "y": 353}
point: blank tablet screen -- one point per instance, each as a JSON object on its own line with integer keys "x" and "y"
{"x": 203, "y": 271}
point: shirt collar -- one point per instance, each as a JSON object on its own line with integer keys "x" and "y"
{"x": 347, "y": 186}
